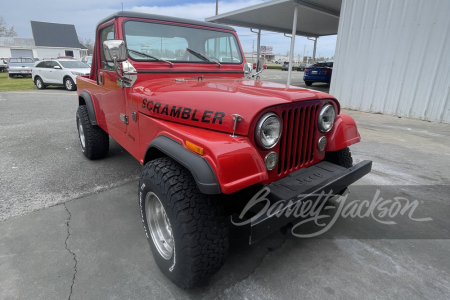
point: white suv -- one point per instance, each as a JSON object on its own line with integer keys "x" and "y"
{"x": 59, "y": 72}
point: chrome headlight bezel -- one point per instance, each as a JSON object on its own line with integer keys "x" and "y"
{"x": 323, "y": 111}
{"x": 259, "y": 125}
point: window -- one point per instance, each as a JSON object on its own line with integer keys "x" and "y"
{"x": 69, "y": 53}
{"x": 107, "y": 33}
{"x": 41, "y": 65}
{"x": 169, "y": 42}
{"x": 50, "y": 64}
{"x": 224, "y": 49}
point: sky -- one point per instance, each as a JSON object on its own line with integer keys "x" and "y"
{"x": 85, "y": 14}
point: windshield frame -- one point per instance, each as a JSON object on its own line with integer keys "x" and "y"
{"x": 238, "y": 44}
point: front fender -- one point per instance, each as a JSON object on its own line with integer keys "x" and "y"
{"x": 234, "y": 160}
{"x": 343, "y": 134}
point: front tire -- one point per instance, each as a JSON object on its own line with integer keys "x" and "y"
{"x": 69, "y": 84}
{"x": 191, "y": 241}
{"x": 94, "y": 141}
{"x": 341, "y": 157}
{"x": 39, "y": 83}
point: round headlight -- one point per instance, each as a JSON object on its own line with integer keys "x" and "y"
{"x": 326, "y": 118}
{"x": 268, "y": 130}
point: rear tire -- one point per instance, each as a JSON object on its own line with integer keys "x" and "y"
{"x": 39, "y": 83}
{"x": 69, "y": 84}
{"x": 10, "y": 75}
{"x": 308, "y": 83}
{"x": 194, "y": 244}
{"x": 341, "y": 157}
{"x": 94, "y": 141}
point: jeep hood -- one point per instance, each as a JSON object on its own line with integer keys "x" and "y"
{"x": 211, "y": 102}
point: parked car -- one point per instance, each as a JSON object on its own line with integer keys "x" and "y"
{"x": 319, "y": 72}
{"x": 3, "y": 64}
{"x": 207, "y": 142}
{"x": 59, "y": 72}
{"x": 285, "y": 66}
{"x": 301, "y": 67}
{"x": 20, "y": 66}
{"x": 87, "y": 60}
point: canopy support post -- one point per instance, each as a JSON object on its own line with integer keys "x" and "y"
{"x": 291, "y": 52}
{"x": 258, "y": 51}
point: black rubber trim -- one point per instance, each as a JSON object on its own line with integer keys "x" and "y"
{"x": 198, "y": 166}
{"x": 90, "y": 107}
{"x": 190, "y": 72}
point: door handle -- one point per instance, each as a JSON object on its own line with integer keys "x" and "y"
{"x": 100, "y": 77}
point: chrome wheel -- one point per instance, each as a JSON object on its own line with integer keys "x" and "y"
{"x": 81, "y": 134}
{"x": 68, "y": 84}
{"x": 39, "y": 83}
{"x": 159, "y": 226}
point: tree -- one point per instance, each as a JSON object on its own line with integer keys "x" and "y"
{"x": 88, "y": 43}
{"x": 5, "y": 30}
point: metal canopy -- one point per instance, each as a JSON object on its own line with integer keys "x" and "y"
{"x": 310, "y": 18}
{"x": 315, "y": 17}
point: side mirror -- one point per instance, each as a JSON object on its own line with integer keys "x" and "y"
{"x": 247, "y": 69}
{"x": 57, "y": 67}
{"x": 114, "y": 51}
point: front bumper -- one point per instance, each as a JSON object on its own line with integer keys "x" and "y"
{"x": 302, "y": 185}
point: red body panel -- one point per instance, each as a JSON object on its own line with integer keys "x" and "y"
{"x": 194, "y": 102}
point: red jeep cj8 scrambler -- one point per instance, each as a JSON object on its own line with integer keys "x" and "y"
{"x": 177, "y": 95}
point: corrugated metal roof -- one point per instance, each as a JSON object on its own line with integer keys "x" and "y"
{"x": 392, "y": 57}
{"x": 54, "y": 35}
{"x": 315, "y": 17}
{"x": 16, "y": 42}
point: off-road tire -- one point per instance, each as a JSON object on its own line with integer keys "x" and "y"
{"x": 39, "y": 83}
{"x": 308, "y": 83}
{"x": 341, "y": 157}
{"x": 69, "y": 84}
{"x": 199, "y": 230}
{"x": 96, "y": 140}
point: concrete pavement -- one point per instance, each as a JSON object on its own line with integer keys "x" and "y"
{"x": 86, "y": 240}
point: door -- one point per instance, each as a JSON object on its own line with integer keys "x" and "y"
{"x": 54, "y": 75}
{"x": 45, "y": 71}
{"x": 21, "y": 53}
{"x": 112, "y": 96}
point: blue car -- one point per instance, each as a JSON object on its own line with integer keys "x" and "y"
{"x": 319, "y": 72}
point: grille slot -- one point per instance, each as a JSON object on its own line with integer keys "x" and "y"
{"x": 297, "y": 140}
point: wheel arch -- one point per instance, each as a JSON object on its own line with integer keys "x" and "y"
{"x": 199, "y": 167}
{"x": 85, "y": 99}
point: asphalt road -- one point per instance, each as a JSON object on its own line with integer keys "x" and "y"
{"x": 71, "y": 227}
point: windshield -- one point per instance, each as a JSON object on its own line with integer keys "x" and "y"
{"x": 73, "y": 64}
{"x": 169, "y": 42}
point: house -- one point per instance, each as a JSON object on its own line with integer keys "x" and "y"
{"x": 50, "y": 40}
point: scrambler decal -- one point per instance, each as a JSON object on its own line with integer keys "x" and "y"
{"x": 186, "y": 113}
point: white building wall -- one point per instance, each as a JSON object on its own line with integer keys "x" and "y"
{"x": 392, "y": 56}
{"x": 43, "y": 53}
{"x": 5, "y": 52}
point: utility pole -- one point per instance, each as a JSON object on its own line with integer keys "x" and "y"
{"x": 303, "y": 58}
{"x": 217, "y": 7}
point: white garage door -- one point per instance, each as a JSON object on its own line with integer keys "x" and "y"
{"x": 21, "y": 53}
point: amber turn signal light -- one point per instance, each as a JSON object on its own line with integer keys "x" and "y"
{"x": 194, "y": 148}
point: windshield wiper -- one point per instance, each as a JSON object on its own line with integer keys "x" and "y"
{"x": 155, "y": 58}
{"x": 201, "y": 56}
